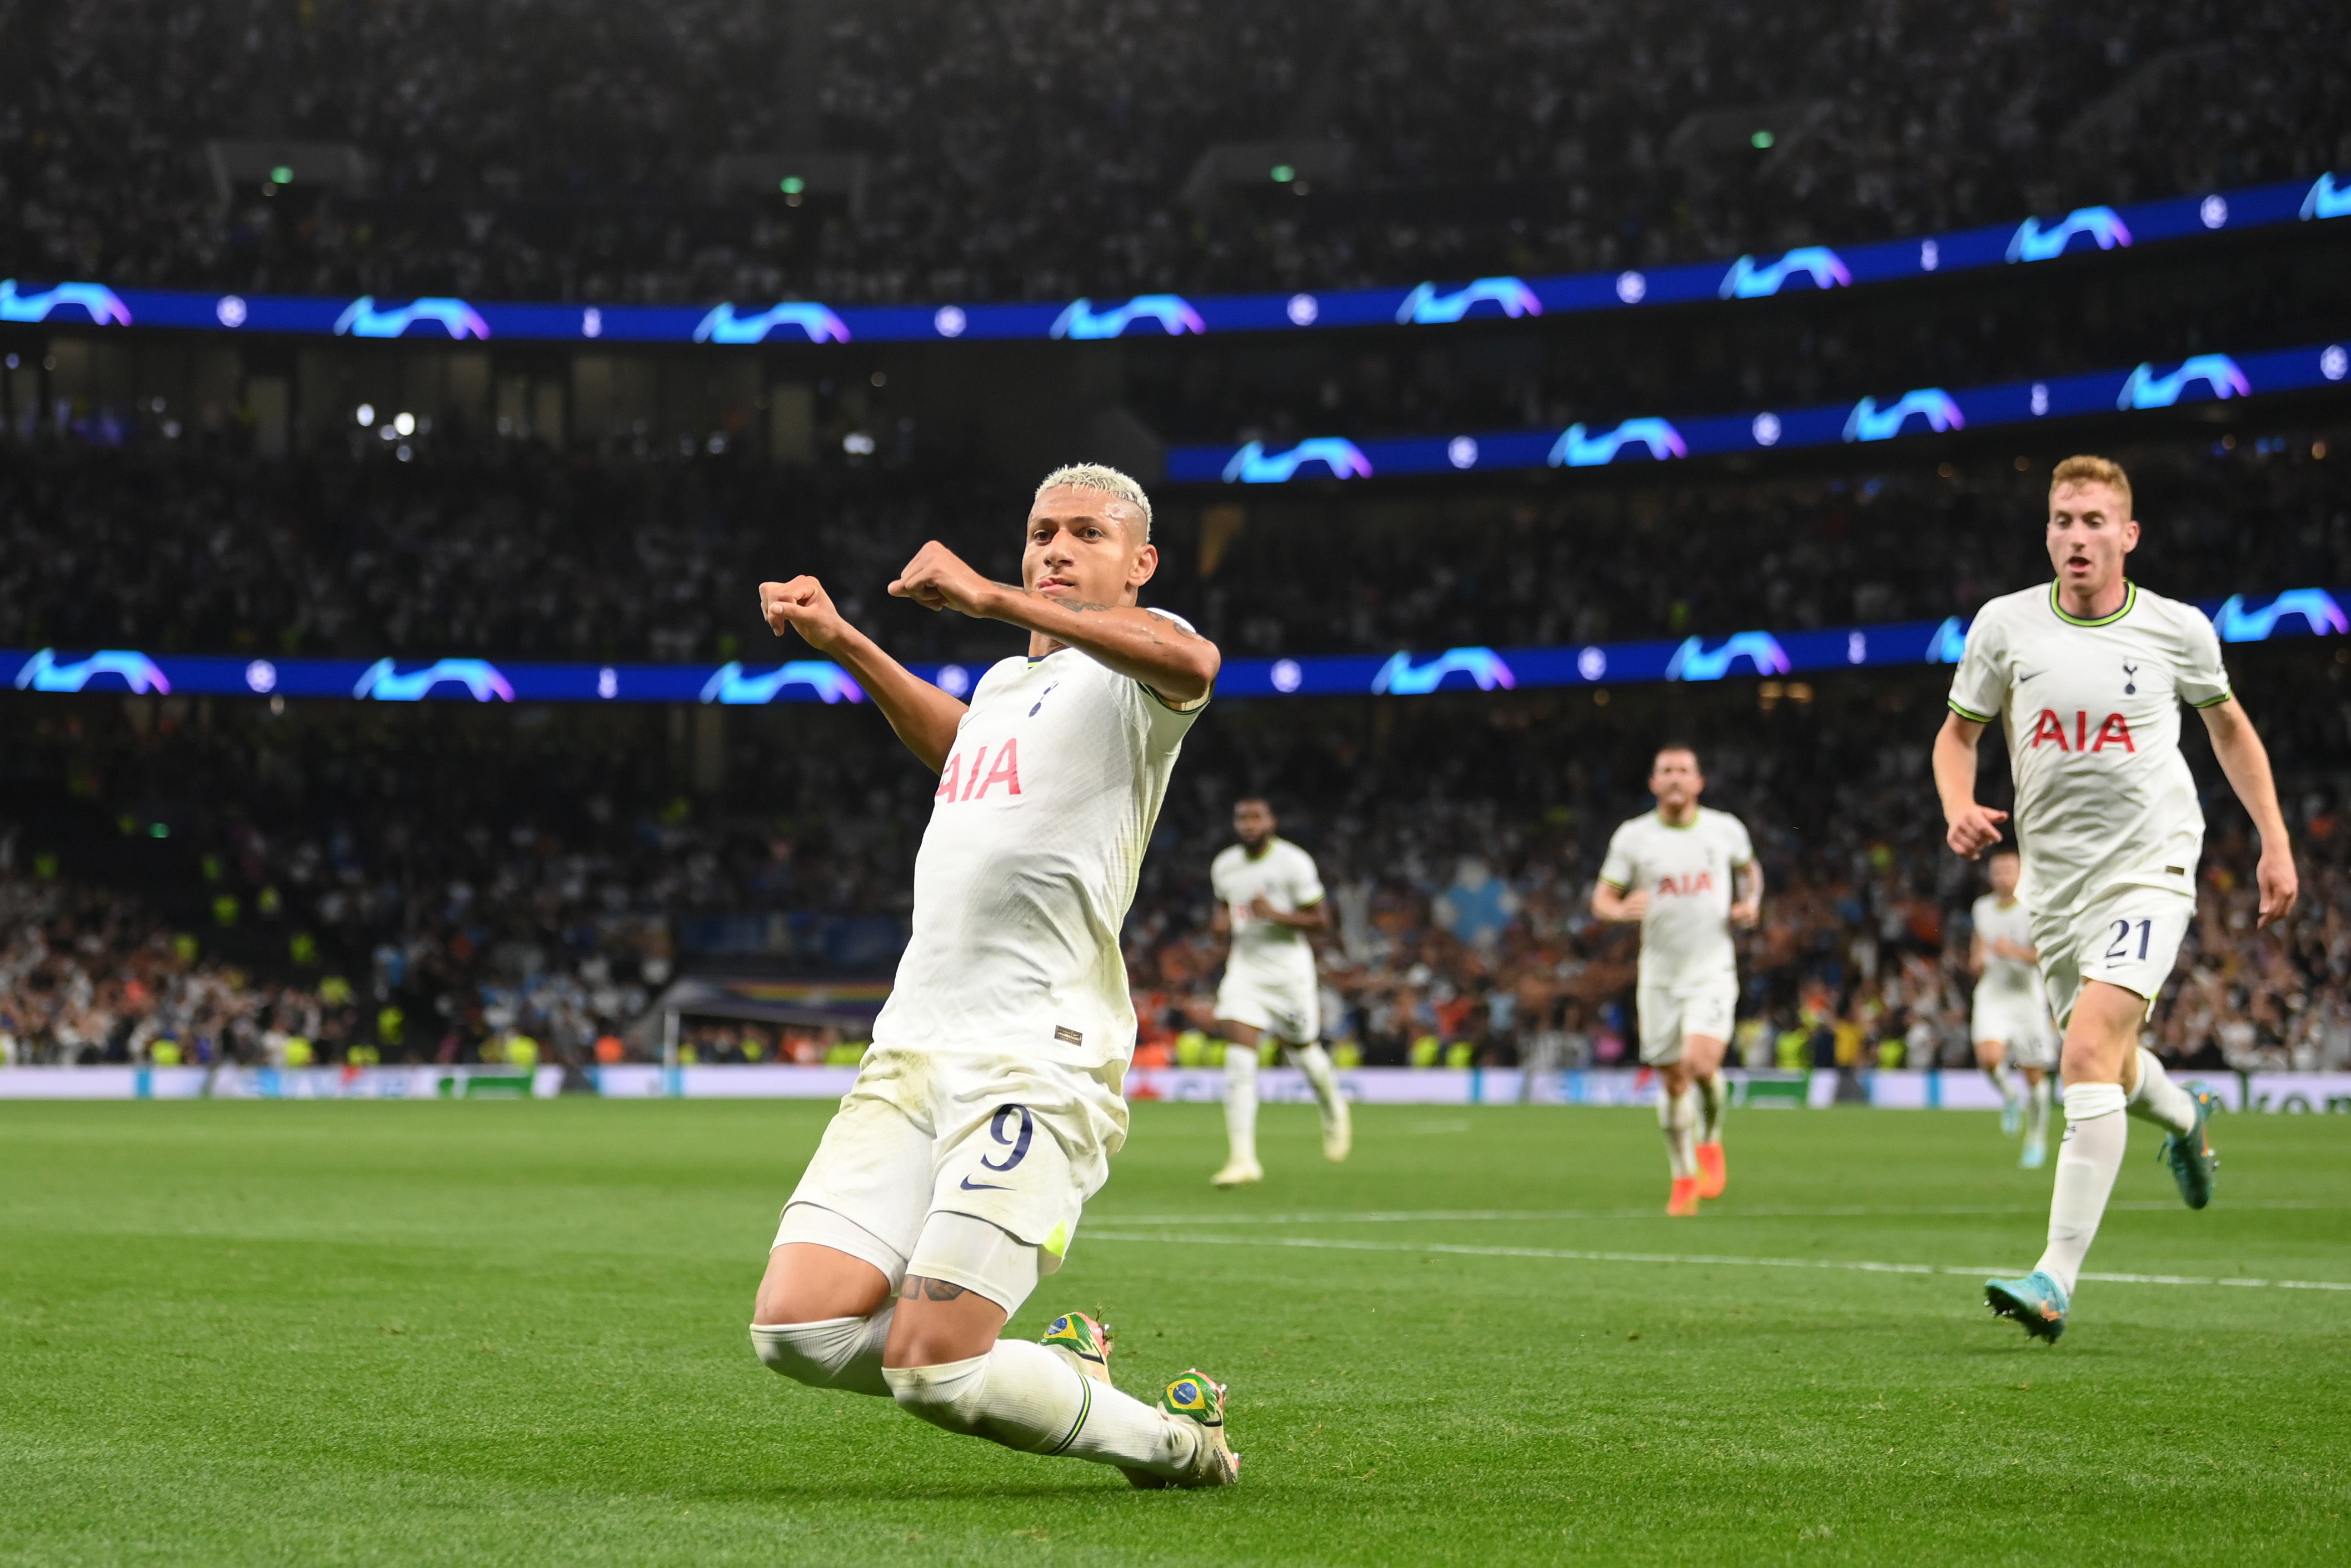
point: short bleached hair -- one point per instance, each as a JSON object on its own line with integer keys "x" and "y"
{"x": 2088, "y": 470}
{"x": 1102, "y": 479}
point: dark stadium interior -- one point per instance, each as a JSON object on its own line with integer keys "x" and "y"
{"x": 218, "y": 867}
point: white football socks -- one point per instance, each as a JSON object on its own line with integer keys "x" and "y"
{"x": 1240, "y": 1102}
{"x": 1677, "y": 1114}
{"x": 2087, "y": 1162}
{"x": 2036, "y": 1110}
{"x": 2158, "y": 1100}
{"x": 1712, "y": 1095}
{"x": 1315, "y": 1063}
{"x": 1026, "y": 1398}
{"x": 834, "y": 1352}
{"x": 2003, "y": 1078}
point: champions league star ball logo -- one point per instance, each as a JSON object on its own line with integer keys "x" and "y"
{"x": 1401, "y": 677}
{"x": 2316, "y": 607}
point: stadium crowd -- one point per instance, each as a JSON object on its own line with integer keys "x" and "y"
{"x": 515, "y": 552}
{"x": 554, "y": 149}
{"x": 518, "y": 887}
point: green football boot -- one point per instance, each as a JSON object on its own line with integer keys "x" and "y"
{"x": 1082, "y": 1343}
{"x": 2193, "y": 1164}
{"x": 2036, "y": 1300}
{"x": 1198, "y": 1399}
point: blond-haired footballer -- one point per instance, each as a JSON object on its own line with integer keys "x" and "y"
{"x": 2088, "y": 672}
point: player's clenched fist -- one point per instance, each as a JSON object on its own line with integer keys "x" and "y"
{"x": 938, "y": 579}
{"x": 1974, "y": 830}
{"x": 803, "y": 605}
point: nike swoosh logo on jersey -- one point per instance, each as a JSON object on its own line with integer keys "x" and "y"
{"x": 2025, "y": 676}
{"x": 971, "y": 1186}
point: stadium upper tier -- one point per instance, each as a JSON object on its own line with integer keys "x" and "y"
{"x": 603, "y": 153}
{"x": 1429, "y": 303}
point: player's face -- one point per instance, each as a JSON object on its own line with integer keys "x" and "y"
{"x": 2090, "y": 531}
{"x": 1675, "y": 780}
{"x": 1085, "y": 546}
{"x": 2003, "y": 871}
{"x": 1253, "y": 822}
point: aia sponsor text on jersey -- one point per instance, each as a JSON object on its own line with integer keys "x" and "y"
{"x": 970, "y": 775}
{"x": 1689, "y": 885}
{"x": 2113, "y": 730}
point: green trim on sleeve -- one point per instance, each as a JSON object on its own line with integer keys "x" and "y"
{"x": 1971, "y": 715}
{"x": 1619, "y": 886}
{"x": 2215, "y": 701}
{"x": 1182, "y": 707}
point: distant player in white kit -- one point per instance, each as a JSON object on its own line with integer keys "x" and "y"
{"x": 989, "y": 1107}
{"x": 2088, "y": 673}
{"x": 1688, "y": 874}
{"x": 2014, "y": 1040}
{"x": 1269, "y": 900}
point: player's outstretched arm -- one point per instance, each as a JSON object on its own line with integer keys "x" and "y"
{"x": 1612, "y": 903}
{"x": 925, "y": 718}
{"x": 1971, "y": 829}
{"x": 2246, "y": 761}
{"x": 1179, "y": 664}
{"x": 1747, "y": 907}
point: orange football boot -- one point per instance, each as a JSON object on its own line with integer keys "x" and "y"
{"x": 1684, "y": 1201}
{"x": 1712, "y": 1175}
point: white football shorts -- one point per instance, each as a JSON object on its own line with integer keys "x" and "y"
{"x": 1288, "y": 1008}
{"x": 2020, "y": 1021}
{"x": 1670, "y": 1014}
{"x": 925, "y": 1142}
{"x": 2127, "y": 936}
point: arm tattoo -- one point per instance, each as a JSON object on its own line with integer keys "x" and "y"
{"x": 919, "y": 1288}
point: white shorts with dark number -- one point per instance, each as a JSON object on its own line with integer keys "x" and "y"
{"x": 1288, "y": 1008}
{"x": 1671, "y": 1014}
{"x": 925, "y": 1142}
{"x": 2020, "y": 1022}
{"x": 2127, "y": 936}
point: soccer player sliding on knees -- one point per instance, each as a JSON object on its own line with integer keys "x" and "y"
{"x": 2088, "y": 674}
{"x": 989, "y": 1107}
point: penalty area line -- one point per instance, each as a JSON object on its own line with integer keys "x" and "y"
{"x": 1576, "y": 1255}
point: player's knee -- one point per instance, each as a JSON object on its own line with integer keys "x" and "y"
{"x": 947, "y": 1395}
{"x": 815, "y": 1353}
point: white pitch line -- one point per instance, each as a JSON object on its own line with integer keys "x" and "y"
{"x": 1448, "y": 1216}
{"x": 1578, "y": 1256}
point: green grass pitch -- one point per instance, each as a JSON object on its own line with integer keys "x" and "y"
{"x": 476, "y": 1332}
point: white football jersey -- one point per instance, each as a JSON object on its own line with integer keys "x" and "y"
{"x": 2104, "y": 799}
{"x": 1037, "y": 834}
{"x": 2009, "y": 922}
{"x": 1285, "y": 876}
{"x": 1688, "y": 873}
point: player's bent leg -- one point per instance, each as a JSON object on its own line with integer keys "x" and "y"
{"x": 1678, "y": 1119}
{"x": 2188, "y": 1151}
{"x": 1240, "y": 1166}
{"x": 823, "y": 1314}
{"x": 1702, "y": 1056}
{"x": 1338, "y": 1128}
{"x": 2100, "y": 1031}
{"x": 2037, "y": 1119}
{"x": 1991, "y": 1055}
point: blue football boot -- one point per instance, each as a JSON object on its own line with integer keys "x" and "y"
{"x": 2036, "y": 1300}
{"x": 2193, "y": 1164}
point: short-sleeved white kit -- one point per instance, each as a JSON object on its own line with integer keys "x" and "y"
{"x": 2009, "y": 1005}
{"x": 2106, "y": 815}
{"x": 1689, "y": 968}
{"x": 1269, "y": 981}
{"x": 993, "y": 1086}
